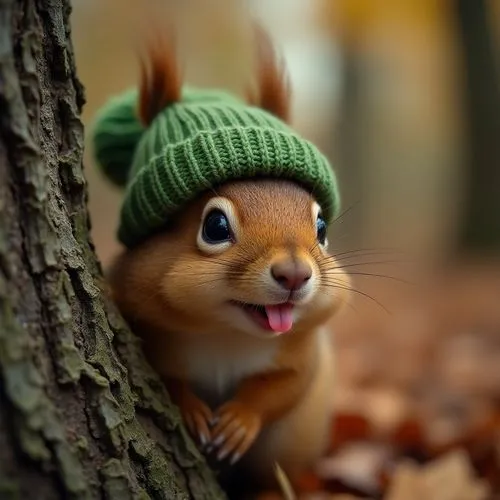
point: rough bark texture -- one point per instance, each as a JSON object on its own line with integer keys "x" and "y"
{"x": 81, "y": 413}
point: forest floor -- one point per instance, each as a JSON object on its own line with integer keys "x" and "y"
{"x": 417, "y": 395}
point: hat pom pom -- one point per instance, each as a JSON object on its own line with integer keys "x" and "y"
{"x": 115, "y": 135}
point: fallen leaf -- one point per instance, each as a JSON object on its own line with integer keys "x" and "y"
{"x": 450, "y": 477}
{"x": 357, "y": 465}
{"x": 350, "y": 427}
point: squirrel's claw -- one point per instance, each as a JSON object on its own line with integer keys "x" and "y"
{"x": 235, "y": 431}
{"x": 231, "y": 443}
{"x": 243, "y": 447}
{"x": 197, "y": 417}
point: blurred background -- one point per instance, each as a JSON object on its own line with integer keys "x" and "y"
{"x": 404, "y": 97}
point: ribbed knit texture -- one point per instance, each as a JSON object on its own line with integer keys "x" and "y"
{"x": 205, "y": 140}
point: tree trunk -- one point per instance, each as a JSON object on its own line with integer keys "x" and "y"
{"x": 480, "y": 231}
{"x": 352, "y": 131}
{"x": 82, "y": 415}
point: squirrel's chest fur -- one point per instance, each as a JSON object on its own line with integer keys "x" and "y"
{"x": 215, "y": 368}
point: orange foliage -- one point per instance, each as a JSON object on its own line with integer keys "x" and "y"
{"x": 353, "y": 20}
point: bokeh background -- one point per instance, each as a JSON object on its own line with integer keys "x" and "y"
{"x": 404, "y": 97}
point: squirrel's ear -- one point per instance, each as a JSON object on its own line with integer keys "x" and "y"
{"x": 273, "y": 85}
{"x": 161, "y": 83}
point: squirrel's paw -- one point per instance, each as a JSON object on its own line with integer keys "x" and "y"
{"x": 235, "y": 430}
{"x": 197, "y": 416}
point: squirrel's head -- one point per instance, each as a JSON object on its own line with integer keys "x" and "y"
{"x": 218, "y": 208}
{"x": 251, "y": 256}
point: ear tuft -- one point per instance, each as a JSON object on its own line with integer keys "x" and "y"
{"x": 161, "y": 82}
{"x": 273, "y": 86}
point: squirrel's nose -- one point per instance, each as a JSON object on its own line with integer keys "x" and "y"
{"x": 291, "y": 274}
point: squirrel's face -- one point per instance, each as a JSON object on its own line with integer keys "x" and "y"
{"x": 250, "y": 258}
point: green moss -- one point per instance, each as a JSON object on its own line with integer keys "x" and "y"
{"x": 115, "y": 480}
{"x": 32, "y": 443}
{"x": 37, "y": 421}
{"x": 9, "y": 489}
{"x": 70, "y": 362}
{"x": 71, "y": 470}
{"x": 82, "y": 444}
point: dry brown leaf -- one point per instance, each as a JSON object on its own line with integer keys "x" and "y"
{"x": 450, "y": 477}
{"x": 350, "y": 427}
{"x": 386, "y": 408}
{"x": 330, "y": 496}
{"x": 406, "y": 483}
{"x": 409, "y": 435}
{"x": 357, "y": 465}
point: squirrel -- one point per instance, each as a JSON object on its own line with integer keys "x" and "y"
{"x": 225, "y": 275}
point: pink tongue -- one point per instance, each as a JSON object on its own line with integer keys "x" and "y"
{"x": 280, "y": 317}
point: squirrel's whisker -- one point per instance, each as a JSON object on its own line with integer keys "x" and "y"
{"x": 373, "y": 275}
{"x": 378, "y": 262}
{"x": 345, "y": 212}
{"x": 341, "y": 286}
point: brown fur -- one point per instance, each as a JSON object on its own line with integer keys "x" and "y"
{"x": 175, "y": 297}
{"x": 160, "y": 82}
{"x": 273, "y": 93}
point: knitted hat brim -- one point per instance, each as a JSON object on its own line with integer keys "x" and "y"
{"x": 216, "y": 157}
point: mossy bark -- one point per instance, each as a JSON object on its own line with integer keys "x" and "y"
{"x": 81, "y": 414}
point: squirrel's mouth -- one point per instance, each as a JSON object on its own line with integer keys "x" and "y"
{"x": 277, "y": 318}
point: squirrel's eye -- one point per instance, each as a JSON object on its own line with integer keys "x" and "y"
{"x": 216, "y": 227}
{"x": 321, "y": 230}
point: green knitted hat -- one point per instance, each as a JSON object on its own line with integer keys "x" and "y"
{"x": 198, "y": 143}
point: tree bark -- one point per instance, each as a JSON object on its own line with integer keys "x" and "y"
{"x": 82, "y": 415}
